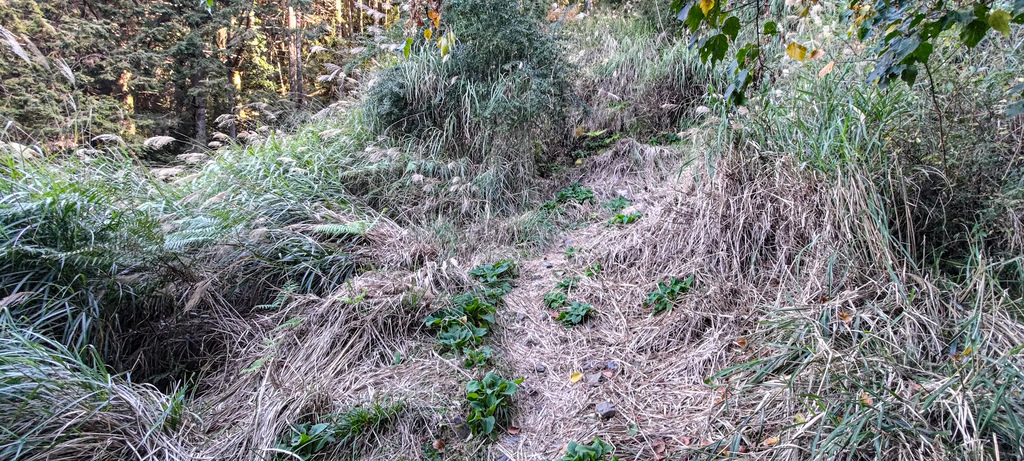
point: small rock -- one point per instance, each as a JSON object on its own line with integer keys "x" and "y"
{"x": 520, "y": 317}
{"x": 461, "y": 428}
{"x": 546, "y": 264}
{"x": 612, "y": 366}
{"x": 605, "y": 410}
{"x": 568, "y": 241}
{"x": 594, "y": 378}
{"x": 541, "y": 368}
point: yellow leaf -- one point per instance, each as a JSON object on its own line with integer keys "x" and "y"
{"x": 827, "y": 69}
{"x": 817, "y": 53}
{"x": 706, "y": 5}
{"x": 1000, "y": 20}
{"x": 427, "y": 33}
{"x": 796, "y": 51}
{"x": 575, "y": 377}
{"x": 866, "y": 399}
{"x": 770, "y": 441}
{"x": 799, "y": 418}
{"x": 434, "y": 17}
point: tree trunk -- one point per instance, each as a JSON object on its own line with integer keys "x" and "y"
{"x": 295, "y": 59}
{"x": 200, "y": 105}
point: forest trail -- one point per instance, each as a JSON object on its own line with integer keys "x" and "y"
{"x": 647, "y": 369}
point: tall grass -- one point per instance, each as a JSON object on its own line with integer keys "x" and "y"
{"x": 57, "y": 404}
{"x": 909, "y": 343}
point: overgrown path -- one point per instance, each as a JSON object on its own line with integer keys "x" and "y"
{"x": 643, "y": 373}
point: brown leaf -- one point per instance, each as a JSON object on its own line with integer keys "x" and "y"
{"x": 608, "y": 373}
{"x": 770, "y": 441}
{"x": 685, "y": 440}
{"x": 513, "y": 430}
{"x": 827, "y": 69}
{"x": 866, "y": 399}
{"x": 915, "y": 388}
{"x": 658, "y": 445}
{"x": 741, "y": 342}
{"x": 742, "y": 449}
{"x": 845, "y": 317}
{"x": 438, "y": 445}
{"x": 817, "y": 53}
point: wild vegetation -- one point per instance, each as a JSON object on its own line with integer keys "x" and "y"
{"x": 673, "y": 230}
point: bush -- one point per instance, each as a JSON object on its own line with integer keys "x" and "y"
{"x": 498, "y": 99}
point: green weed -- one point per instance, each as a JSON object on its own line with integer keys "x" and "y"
{"x": 625, "y": 218}
{"x": 488, "y": 402}
{"x": 555, "y": 300}
{"x": 576, "y": 314}
{"x": 668, "y": 291}
{"x": 567, "y": 284}
{"x": 617, "y": 204}
{"x": 475, "y": 358}
{"x": 596, "y": 451}
{"x": 499, "y": 276}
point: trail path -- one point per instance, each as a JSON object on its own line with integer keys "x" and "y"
{"x": 650, "y": 368}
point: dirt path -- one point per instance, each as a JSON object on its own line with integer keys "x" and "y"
{"x": 650, "y": 368}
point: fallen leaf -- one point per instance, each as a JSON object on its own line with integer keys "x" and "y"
{"x": 827, "y": 69}
{"x": 866, "y": 399}
{"x": 658, "y": 445}
{"x": 741, "y": 342}
{"x": 915, "y": 388}
{"x": 796, "y": 51}
{"x": 770, "y": 442}
{"x": 845, "y": 317}
{"x": 685, "y": 440}
{"x": 817, "y": 53}
{"x": 608, "y": 373}
{"x": 742, "y": 449}
{"x": 575, "y": 377}
{"x": 513, "y": 430}
{"x": 705, "y": 443}
{"x": 799, "y": 418}
{"x": 438, "y": 445}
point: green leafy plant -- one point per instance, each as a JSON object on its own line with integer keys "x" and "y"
{"x": 500, "y": 275}
{"x": 668, "y": 290}
{"x": 555, "y": 300}
{"x": 571, "y": 252}
{"x": 592, "y": 270}
{"x": 488, "y": 401}
{"x": 567, "y": 284}
{"x": 575, "y": 192}
{"x": 576, "y": 314}
{"x": 476, "y": 357}
{"x": 596, "y": 451}
{"x": 625, "y": 218}
{"x": 343, "y": 429}
{"x": 594, "y": 142}
{"x": 617, "y": 204}
{"x": 465, "y": 324}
